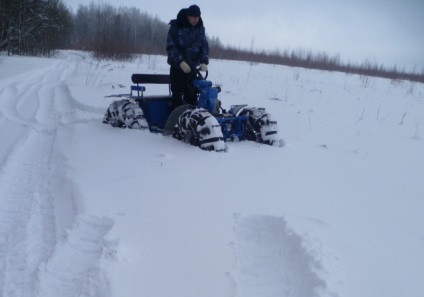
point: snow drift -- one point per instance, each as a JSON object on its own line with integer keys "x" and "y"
{"x": 272, "y": 261}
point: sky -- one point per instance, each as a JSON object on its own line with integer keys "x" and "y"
{"x": 387, "y": 32}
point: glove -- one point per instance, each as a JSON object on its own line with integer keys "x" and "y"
{"x": 185, "y": 67}
{"x": 203, "y": 67}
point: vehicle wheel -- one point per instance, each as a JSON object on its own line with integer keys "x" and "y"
{"x": 125, "y": 114}
{"x": 198, "y": 127}
{"x": 173, "y": 118}
{"x": 260, "y": 125}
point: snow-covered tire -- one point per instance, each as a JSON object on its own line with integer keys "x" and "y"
{"x": 198, "y": 127}
{"x": 173, "y": 118}
{"x": 125, "y": 114}
{"x": 260, "y": 127}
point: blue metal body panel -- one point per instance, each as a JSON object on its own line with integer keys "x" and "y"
{"x": 156, "y": 110}
{"x": 233, "y": 127}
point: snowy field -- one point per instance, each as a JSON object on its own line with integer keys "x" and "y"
{"x": 95, "y": 211}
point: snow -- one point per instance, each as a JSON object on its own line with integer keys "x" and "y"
{"x": 91, "y": 210}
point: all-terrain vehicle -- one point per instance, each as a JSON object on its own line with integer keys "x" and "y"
{"x": 206, "y": 125}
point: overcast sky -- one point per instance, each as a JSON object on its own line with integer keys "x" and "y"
{"x": 388, "y": 32}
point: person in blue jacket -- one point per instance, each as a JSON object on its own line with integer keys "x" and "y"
{"x": 187, "y": 49}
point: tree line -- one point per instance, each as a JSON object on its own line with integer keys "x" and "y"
{"x": 33, "y": 27}
{"x": 41, "y": 27}
{"x": 315, "y": 60}
{"x": 117, "y": 33}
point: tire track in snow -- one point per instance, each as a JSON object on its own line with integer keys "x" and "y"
{"x": 20, "y": 189}
{"x": 27, "y": 225}
{"x": 24, "y": 87}
{"x": 271, "y": 260}
{"x": 11, "y": 136}
{"x": 8, "y": 105}
{"x": 32, "y": 110}
{"x": 62, "y": 276}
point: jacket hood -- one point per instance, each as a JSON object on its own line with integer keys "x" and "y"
{"x": 182, "y": 20}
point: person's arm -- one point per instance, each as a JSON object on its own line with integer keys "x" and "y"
{"x": 174, "y": 56}
{"x": 204, "y": 49}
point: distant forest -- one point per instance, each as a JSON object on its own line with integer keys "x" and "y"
{"x": 42, "y": 27}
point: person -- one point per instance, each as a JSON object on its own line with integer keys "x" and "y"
{"x": 187, "y": 49}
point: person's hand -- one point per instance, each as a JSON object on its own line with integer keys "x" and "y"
{"x": 185, "y": 67}
{"x": 203, "y": 67}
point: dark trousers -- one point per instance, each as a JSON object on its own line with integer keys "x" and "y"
{"x": 183, "y": 91}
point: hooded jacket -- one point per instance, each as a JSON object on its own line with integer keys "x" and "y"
{"x": 186, "y": 42}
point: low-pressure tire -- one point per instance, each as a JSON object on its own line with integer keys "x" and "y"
{"x": 125, "y": 114}
{"x": 260, "y": 126}
{"x": 198, "y": 127}
{"x": 173, "y": 118}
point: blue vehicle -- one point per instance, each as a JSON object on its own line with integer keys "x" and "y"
{"x": 206, "y": 125}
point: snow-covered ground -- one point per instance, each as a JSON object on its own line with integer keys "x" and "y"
{"x": 90, "y": 210}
